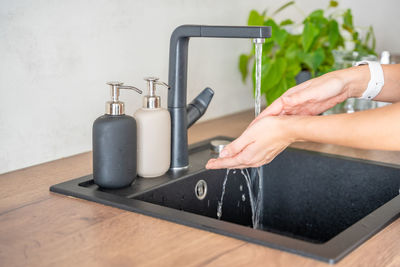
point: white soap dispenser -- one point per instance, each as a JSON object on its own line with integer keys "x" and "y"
{"x": 153, "y": 133}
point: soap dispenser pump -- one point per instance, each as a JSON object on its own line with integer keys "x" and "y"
{"x": 114, "y": 143}
{"x": 153, "y": 133}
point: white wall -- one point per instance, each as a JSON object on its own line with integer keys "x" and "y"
{"x": 55, "y": 57}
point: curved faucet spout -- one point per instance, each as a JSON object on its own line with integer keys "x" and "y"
{"x": 178, "y": 58}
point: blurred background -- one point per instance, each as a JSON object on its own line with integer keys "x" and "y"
{"x": 56, "y": 57}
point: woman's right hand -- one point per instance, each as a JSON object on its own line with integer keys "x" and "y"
{"x": 316, "y": 95}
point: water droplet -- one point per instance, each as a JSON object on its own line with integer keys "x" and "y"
{"x": 219, "y": 214}
{"x": 219, "y": 210}
{"x": 243, "y": 197}
{"x": 234, "y": 171}
{"x": 241, "y": 187}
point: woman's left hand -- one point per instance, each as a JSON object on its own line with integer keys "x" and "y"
{"x": 259, "y": 144}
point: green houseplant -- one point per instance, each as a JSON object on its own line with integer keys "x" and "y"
{"x": 288, "y": 51}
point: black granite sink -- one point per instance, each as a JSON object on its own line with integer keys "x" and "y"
{"x": 317, "y": 205}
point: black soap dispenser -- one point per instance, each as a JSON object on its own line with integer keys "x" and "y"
{"x": 114, "y": 143}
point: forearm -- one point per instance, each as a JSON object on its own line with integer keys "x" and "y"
{"x": 356, "y": 81}
{"x": 371, "y": 129}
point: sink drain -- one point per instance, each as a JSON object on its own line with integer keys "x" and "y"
{"x": 201, "y": 189}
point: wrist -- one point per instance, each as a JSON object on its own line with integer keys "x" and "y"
{"x": 355, "y": 80}
{"x": 294, "y": 124}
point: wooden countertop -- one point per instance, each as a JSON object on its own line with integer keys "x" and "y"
{"x": 39, "y": 228}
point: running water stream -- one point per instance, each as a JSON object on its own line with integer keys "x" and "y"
{"x": 257, "y": 173}
{"x": 257, "y": 104}
{"x": 219, "y": 208}
{"x": 253, "y": 179}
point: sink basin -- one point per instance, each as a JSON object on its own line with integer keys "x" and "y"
{"x": 317, "y": 205}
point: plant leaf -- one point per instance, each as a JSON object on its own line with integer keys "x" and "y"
{"x": 292, "y": 51}
{"x": 279, "y": 35}
{"x": 368, "y": 36}
{"x": 255, "y": 18}
{"x": 293, "y": 68}
{"x": 284, "y": 84}
{"x": 286, "y": 22}
{"x": 309, "y": 33}
{"x": 348, "y": 19}
{"x": 319, "y": 13}
{"x": 293, "y": 62}
{"x": 317, "y": 18}
{"x": 272, "y": 73}
{"x": 268, "y": 45}
{"x": 333, "y": 3}
{"x": 347, "y": 28}
{"x": 290, "y": 81}
{"x": 283, "y": 7}
{"x": 313, "y": 60}
{"x": 272, "y": 23}
{"x": 243, "y": 63}
{"x": 333, "y": 34}
{"x": 276, "y": 91}
{"x": 371, "y": 31}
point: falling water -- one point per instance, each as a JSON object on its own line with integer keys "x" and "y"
{"x": 219, "y": 208}
{"x": 255, "y": 179}
{"x": 257, "y": 105}
{"x": 254, "y": 200}
{"x": 257, "y": 173}
{"x": 249, "y": 184}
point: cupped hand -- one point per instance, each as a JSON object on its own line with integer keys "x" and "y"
{"x": 260, "y": 143}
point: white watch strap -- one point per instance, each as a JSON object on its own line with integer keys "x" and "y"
{"x": 376, "y": 82}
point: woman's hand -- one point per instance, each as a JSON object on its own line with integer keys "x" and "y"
{"x": 260, "y": 143}
{"x": 310, "y": 98}
{"x": 271, "y": 132}
{"x": 320, "y": 94}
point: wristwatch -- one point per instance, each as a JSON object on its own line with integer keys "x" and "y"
{"x": 376, "y": 82}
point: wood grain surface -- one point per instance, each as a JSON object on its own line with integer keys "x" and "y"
{"x": 39, "y": 228}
